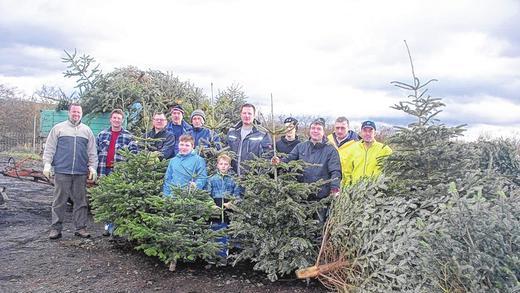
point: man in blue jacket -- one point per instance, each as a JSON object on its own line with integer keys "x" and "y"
{"x": 204, "y": 137}
{"x": 325, "y": 159}
{"x": 71, "y": 149}
{"x": 177, "y": 126}
{"x": 246, "y": 140}
{"x": 166, "y": 143}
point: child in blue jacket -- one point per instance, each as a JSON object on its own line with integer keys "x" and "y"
{"x": 186, "y": 168}
{"x": 223, "y": 189}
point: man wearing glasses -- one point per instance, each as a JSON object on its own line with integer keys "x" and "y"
{"x": 166, "y": 144}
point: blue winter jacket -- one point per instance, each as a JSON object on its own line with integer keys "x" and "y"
{"x": 204, "y": 137}
{"x": 177, "y": 131}
{"x": 326, "y": 164}
{"x": 257, "y": 143}
{"x": 184, "y": 169}
{"x": 166, "y": 145}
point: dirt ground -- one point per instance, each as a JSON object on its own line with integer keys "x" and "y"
{"x": 30, "y": 262}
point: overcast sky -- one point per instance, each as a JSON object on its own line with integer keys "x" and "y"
{"x": 324, "y": 58}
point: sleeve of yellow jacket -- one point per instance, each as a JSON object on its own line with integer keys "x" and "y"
{"x": 364, "y": 162}
{"x": 345, "y": 153}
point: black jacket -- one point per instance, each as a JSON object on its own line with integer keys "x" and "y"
{"x": 285, "y": 146}
{"x": 324, "y": 154}
{"x": 256, "y": 143}
{"x": 166, "y": 145}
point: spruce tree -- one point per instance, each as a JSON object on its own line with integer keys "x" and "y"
{"x": 172, "y": 228}
{"x": 275, "y": 224}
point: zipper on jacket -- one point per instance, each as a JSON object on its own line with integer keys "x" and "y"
{"x": 365, "y": 164}
{"x": 74, "y": 149}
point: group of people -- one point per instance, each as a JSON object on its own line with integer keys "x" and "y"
{"x": 341, "y": 158}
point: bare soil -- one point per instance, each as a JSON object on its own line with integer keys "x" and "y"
{"x": 30, "y": 262}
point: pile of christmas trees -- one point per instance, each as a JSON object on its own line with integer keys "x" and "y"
{"x": 445, "y": 218}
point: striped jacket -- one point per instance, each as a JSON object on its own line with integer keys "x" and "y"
{"x": 124, "y": 140}
{"x": 70, "y": 148}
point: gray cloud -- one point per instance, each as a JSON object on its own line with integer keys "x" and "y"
{"x": 35, "y": 36}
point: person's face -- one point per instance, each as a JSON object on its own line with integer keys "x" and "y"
{"x": 116, "y": 120}
{"x": 247, "y": 115}
{"x": 197, "y": 121}
{"x": 75, "y": 114}
{"x": 341, "y": 129}
{"x": 159, "y": 122}
{"x": 290, "y": 129}
{"x": 223, "y": 166}
{"x": 368, "y": 134}
{"x": 177, "y": 116}
{"x": 316, "y": 132}
{"x": 185, "y": 147}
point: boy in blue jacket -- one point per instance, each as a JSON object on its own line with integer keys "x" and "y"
{"x": 186, "y": 168}
{"x": 223, "y": 189}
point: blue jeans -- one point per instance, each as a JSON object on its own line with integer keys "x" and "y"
{"x": 224, "y": 239}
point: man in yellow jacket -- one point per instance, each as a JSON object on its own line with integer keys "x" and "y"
{"x": 365, "y": 155}
{"x": 343, "y": 139}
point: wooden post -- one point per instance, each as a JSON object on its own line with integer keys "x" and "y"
{"x": 34, "y": 133}
{"x": 274, "y": 137}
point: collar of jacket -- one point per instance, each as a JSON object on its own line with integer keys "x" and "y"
{"x": 72, "y": 124}
{"x": 157, "y": 133}
{"x": 192, "y": 153}
{"x": 239, "y": 125}
{"x": 228, "y": 174}
{"x": 198, "y": 129}
{"x": 324, "y": 142}
{"x": 296, "y": 140}
{"x": 121, "y": 131}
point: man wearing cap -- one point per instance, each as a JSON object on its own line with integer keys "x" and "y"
{"x": 287, "y": 142}
{"x": 246, "y": 140}
{"x": 177, "y": 126}
{"x": 166, "y": 144}
{"x": 325, "y": 159}
{"x": 343, "y": 139}
{"x": 203, "y": 136}
{"x": 366, "y": 154}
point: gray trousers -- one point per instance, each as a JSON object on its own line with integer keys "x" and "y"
{"x": 73, "y": 187}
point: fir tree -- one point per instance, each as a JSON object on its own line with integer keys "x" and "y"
{"x": 275, "y": 225}
{"x": 172, "y": 228}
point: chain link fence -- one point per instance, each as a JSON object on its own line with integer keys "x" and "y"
{"x": 15, "y": 141}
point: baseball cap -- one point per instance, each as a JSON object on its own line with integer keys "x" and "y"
{"x": 369, "y": 124}
{"x": 291, "y": 120}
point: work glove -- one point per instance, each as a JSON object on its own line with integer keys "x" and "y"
{"x": 92, "y": 174}
{"x": 47, "y": 170}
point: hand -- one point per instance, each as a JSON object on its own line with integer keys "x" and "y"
{"x": 334, "y": 192}
{"x": 92, "y": 174}
{"x": 226, "y": 205}
{"x": 275, "y": 160}
{"x": 47, "y": 170}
